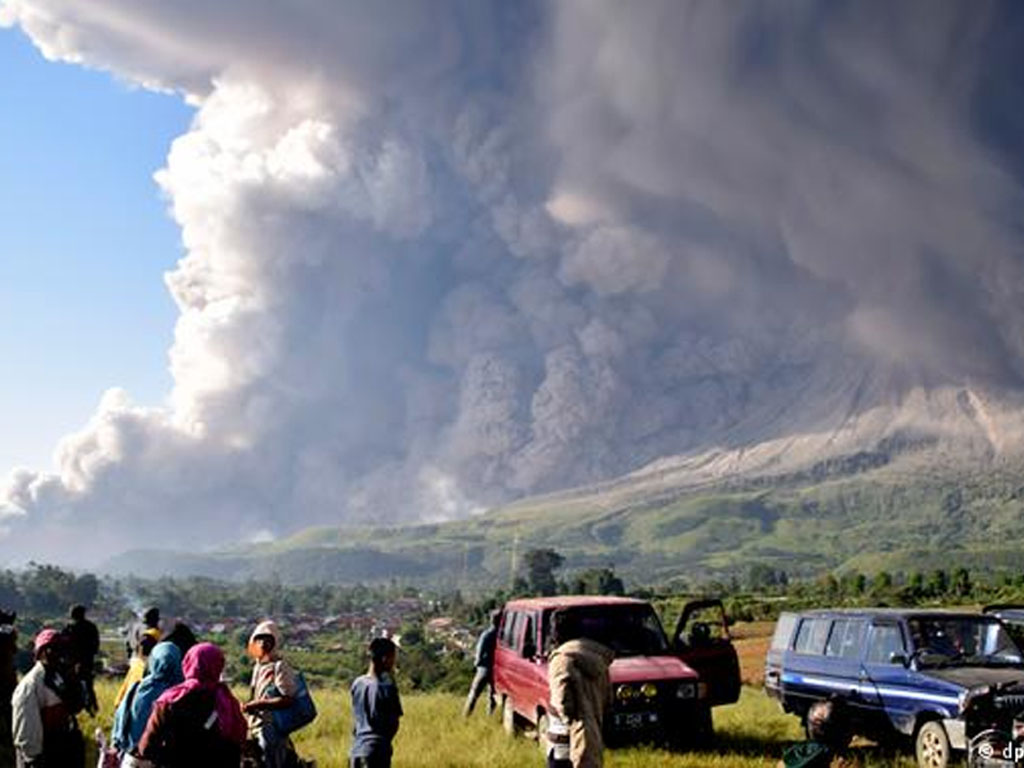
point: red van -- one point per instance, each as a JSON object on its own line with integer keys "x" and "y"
{"x": 657, "y": 697}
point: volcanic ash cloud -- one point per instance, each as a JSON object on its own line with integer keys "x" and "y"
{"x": 442, "y": 255}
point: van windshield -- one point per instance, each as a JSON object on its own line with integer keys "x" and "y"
{"x": 629, "y": 630}
{"x": 963, "y": 641}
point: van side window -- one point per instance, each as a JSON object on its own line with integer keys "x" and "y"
{"x": 530, "y": 638}
{"x": 509, "y": 629}
{"x": 846, "y": 638}
{"x": 811, "y": 636}
{"x": 783, "y": 632}
{"x": 886, "y": 639}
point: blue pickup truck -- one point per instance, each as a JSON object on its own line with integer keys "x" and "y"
{"x": 900, "y": 675}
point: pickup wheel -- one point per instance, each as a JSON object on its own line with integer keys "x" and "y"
{"x": 508, "y": 715}
{"x": 931, "y": 746}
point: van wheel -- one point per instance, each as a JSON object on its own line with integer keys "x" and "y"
{"x": 932, "y": 746}
{"x": 508, "y": 715}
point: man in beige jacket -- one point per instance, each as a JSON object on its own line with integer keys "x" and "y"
{"x": 579, "y": 688}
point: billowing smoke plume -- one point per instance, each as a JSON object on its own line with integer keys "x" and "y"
{"x": 443, "y": 254}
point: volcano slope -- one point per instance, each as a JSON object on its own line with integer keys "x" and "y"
{"x": 932, "y": 480}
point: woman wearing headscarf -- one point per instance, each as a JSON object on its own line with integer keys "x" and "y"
{"x": 197, "y": 722}
{"x": 133, "y": 713}
{"x": 137, "y": 663}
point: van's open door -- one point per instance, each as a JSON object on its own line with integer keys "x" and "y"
{"x": 702, "y": 641}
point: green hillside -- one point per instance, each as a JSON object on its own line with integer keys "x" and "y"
{"x": 653, "y": 532}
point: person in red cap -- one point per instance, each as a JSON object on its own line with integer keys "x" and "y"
{"x": 44, "y": 728}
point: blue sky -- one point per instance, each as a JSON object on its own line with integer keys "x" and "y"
{"x": 85, "y": 238}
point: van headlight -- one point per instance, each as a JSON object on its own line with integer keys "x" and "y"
{"x": 686, "y": 690}
{"x": 649, "y": 690}
{"x": 626, "y": 692}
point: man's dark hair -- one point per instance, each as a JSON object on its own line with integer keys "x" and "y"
{"x": 7, "y": 618}
{"x": 146, "y": 644}
{"x": 151, "y": 618}
{"x": 495, "y": 617}
{"x": 182, "y": 636}
{"x": 381, "y": 648}
{"x": 77, "y": 612}
{"x": 566, "y": 626}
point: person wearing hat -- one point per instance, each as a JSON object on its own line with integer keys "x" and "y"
{"x": 376, "y": 708}
{"x": 45, "y": 728}
{"x": 274, "y": 686}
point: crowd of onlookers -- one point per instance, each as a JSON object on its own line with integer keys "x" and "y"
{"x": 173, "y": 710}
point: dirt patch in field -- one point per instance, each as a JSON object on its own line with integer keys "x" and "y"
{"x": 752, "y": 640}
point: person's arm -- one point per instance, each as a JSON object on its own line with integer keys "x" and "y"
{"x": 152, "y": 742}
{"x": 287, "y": 685}
{"x": 387, "y": 710}
{"x": 122, "y": 724}
{"x": 479, "y": 659}
{"x": 561, "y": 689}
{"x": 27, "y": 722}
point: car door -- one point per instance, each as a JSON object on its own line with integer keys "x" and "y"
{"x": 505, "y": 654}
{"x": 703, "y": 643}
{"x": 843, "y": 672}
{"x": 806, "y": 677}
{"x": 534, "y": 668}
{"x": 886, "y": 683}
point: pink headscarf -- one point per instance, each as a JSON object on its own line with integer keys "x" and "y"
{"x": 202, "y": 666}
{"x": 45, "y": 638}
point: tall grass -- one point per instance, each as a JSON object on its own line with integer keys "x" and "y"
{"x": 751, "y": 734}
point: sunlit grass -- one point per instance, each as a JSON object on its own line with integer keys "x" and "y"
{"x": 751, "y": 734}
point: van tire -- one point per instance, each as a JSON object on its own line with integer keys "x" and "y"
{"x": 931, "y": 746}
{"x": 508, "y": 715}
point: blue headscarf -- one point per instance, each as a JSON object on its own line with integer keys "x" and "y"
{"x": 163, "y": 672}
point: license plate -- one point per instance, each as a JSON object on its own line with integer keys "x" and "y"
{"x": 632, "y": 720}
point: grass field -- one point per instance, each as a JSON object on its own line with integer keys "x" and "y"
{"x": 751, "y": 734}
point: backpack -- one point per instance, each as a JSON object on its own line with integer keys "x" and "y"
{"x": 301, "y": 713}
{"x": 808, "y": 754}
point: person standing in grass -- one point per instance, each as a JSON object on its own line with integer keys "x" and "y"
{"x": 84, "y": 638}
{"x": 137, "y": 663}
{"x": 376, "y": 708}
{"x": 133, "y": 713}
{"x": 484, "y": 663}
{"x": 8, "y": 674}
{"x": 197, "y": 722}
{"x": 579, "y": 688}
{"x": 44, "y": 705}
{"x": 274, "y": 686}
